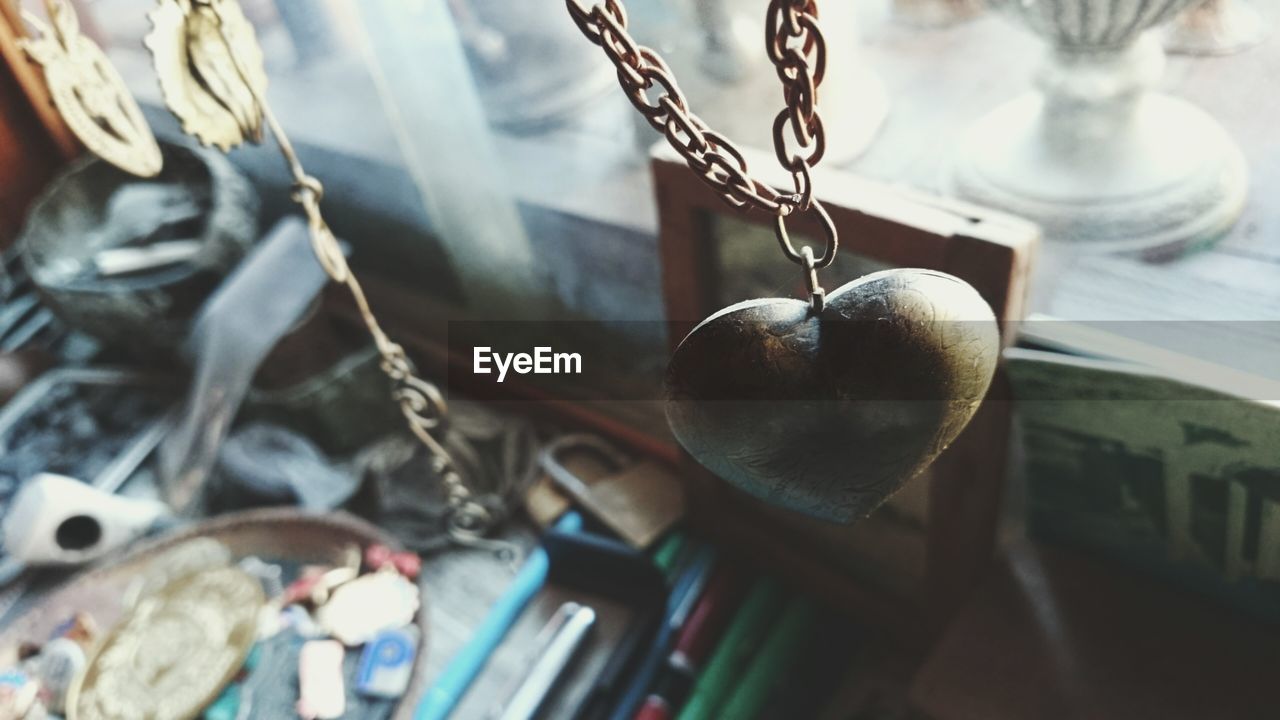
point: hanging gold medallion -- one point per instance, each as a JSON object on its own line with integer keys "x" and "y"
{"x": 210, "y": 69}
{"x": 89, "y": 93}
{"x": 175, "y": 652}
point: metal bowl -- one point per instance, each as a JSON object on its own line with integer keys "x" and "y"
{"x": 94, "y": 206}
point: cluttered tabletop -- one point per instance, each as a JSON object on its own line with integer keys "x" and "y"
{"x": 306, "y": 578}
{"x": 318, "y": 566}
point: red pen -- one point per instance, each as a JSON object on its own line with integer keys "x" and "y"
{"x": 694, "y": 643}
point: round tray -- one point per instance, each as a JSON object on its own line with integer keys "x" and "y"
{"x": 276, "y": 534}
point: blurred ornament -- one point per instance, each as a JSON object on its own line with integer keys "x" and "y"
{"x": 90, "y": 94}
{"x": 1094, "y": 155}
{"x": 386, "y": 666}
{"x": 378, "y": 557}
{"x": 173, "y": 655}
{"x": 1215, "y": 27}
{"x": 18, "y": 694}
{"x": 61, "y": 663}
{"x": 269, "y": 575}
{"x": 321, "y": 690}
{"x": 362, "y": 608}
{"x": 210, "y": 69}
{"x": 193, "y": 556}
{"x": 57, "y": 520}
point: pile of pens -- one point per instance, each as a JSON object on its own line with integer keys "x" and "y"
{"x": 708, "y": 639}
{"x": 729, "y": 646}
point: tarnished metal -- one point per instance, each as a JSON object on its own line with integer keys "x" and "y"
{"x": 829, "y": 413}
{"x": 175, "y": 652}
{"x": 210, "y": 69}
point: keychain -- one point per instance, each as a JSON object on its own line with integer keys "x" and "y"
{"x": 89, "y": 93}
{"x": 826, "y": 406}
{"x": 211, "y": 73}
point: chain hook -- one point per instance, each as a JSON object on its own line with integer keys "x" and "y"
{"x": 817, "y": 296}
{"x": 469, "y": 523}
{"x": 804, "y": 256}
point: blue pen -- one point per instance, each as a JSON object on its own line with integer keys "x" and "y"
{"x": 452, "y": 684}
{"x": 683, "y": 596}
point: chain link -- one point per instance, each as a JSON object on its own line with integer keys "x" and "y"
{"x": 798, "y": 51}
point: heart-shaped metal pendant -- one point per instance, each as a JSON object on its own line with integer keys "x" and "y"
{"x": 829, "y": 413}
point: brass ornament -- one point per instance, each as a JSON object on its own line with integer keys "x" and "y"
{"x": 210, "y": 68}
{"x": 89, "y": 94}
{"x": 175, "y": 652}
{"x": 829, "y": 413}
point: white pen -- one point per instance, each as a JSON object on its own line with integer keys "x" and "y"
{"x": 558, "y": 643}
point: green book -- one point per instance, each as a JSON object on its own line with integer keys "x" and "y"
{"x": 748, "y": 630}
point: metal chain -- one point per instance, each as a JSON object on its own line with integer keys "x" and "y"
{"x": 421, "y": 402}
{"x": 798, "y": 51}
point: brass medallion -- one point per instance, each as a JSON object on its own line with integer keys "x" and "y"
{"x": 89, "y": 93}
{"x": 210, "y": 69}
{"x": 175, "y": 652}
{"x": 193, "y": 556}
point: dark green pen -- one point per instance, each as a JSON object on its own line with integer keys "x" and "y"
{"x": 785, "y": 641}
{"x": 748, "y": 630}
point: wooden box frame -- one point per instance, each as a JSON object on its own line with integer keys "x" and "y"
{"x": 991, "y": 251}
